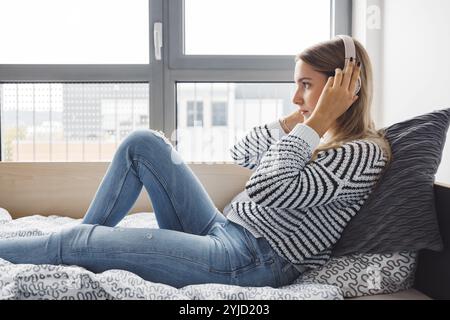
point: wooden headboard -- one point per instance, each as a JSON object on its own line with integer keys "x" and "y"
{"x": 67, "y": 188}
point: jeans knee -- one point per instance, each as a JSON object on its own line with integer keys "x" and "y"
{"x": 144, "y": 136}
{"x": 75, "y": 238}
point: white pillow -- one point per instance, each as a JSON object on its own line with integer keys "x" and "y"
{"x": 4, "y": 215}
{"x": 366, "y": 274}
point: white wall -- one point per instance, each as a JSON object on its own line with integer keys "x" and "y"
{"x": 412, "y": 49}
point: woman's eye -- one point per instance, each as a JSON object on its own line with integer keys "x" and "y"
{"x": 306, "y": 85}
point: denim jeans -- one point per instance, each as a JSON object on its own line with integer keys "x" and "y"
{"x": 194, "y": 244}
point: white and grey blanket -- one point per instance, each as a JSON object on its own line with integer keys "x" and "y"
{"x": 28, "y": 281}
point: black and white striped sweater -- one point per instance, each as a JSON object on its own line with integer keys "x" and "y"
{"x": 301, "y": 206}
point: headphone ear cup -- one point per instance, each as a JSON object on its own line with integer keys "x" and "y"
{"x": 358, "y": 86}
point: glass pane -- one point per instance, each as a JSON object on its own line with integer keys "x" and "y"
{"x": 219, "y": 113}
{"x": 69, "y": 122}
{"x": 254, "y": 27}
{"x": 195, "y": 114}
{"x": 228, "y": 112}
{"x": 74, "y": 32}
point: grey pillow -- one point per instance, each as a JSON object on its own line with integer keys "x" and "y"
{"x": 400, "y": 212}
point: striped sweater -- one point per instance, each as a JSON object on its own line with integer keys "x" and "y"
{"x": 299, "y": 206}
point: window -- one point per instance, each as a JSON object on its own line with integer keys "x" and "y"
{"x": 254, "y": 27}
{"x": 219, "y": 113}
{"x": 69, "y": 122}
{"x": 250, "y": 34}
{"x": 74, "y": 32}
{"x": 248, "y": 104}
{"x": 74, "y": 81}
{"x": 76, "y": 77}
{"x": 195, "y": 114}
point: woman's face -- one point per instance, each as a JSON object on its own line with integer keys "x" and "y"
{"x": 310, "y": 84}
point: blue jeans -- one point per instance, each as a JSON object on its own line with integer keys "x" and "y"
{"x": 194, "y": 244}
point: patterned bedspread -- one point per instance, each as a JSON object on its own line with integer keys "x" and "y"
{"x": 27, "y": 281}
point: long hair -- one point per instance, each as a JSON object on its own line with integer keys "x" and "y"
{"x": 356, "y": 123}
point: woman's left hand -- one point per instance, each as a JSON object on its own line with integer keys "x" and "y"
{"x": 338, "y": 94}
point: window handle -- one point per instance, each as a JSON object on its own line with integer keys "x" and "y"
{"x": 157, "y": 39}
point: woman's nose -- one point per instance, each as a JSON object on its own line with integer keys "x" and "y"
{"x": 298, "y": 98}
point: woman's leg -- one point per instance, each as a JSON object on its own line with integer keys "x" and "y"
{"x": 179, "y": 200}
{"x": 210, "y": 249}
{"x": 226, "y": 255}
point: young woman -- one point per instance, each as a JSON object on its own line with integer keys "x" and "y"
{"x": 294, "y": 208}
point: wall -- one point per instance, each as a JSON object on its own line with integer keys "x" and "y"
{"x": 411, "y": 50}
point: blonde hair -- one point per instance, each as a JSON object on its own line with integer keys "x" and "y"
{"x": 356, "y": 123}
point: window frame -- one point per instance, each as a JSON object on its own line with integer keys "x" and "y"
{"x": 248, "y": 68}
{"x": 151, "y": 73}
{"x": 340, "y": 17}
{"x": 163, "y": 75}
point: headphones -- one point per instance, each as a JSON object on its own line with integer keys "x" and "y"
{"x": 350, "y": 52}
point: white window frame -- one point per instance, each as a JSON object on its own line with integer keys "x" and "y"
{"x": 173, "y": 67}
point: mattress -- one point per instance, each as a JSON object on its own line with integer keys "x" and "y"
{"x": 410, "y": 294}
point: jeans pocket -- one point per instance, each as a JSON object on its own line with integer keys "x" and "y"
{"x": 250, "y": 245}
{"x": 240, "y": 247}
{"x": 288, "y": 273}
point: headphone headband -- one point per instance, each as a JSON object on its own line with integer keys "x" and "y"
{"x": 350, "y": 50}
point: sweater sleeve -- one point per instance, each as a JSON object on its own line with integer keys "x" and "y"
{"x": 250, "y": 149}
{"x": 287, "y": 179}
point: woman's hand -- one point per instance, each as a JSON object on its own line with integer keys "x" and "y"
{"x": 337, "y": 96}
{"x": 291, "y": 120}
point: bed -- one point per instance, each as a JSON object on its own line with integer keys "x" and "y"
{"x": 38, "y": 199}
{"x": 73, "y": 282}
